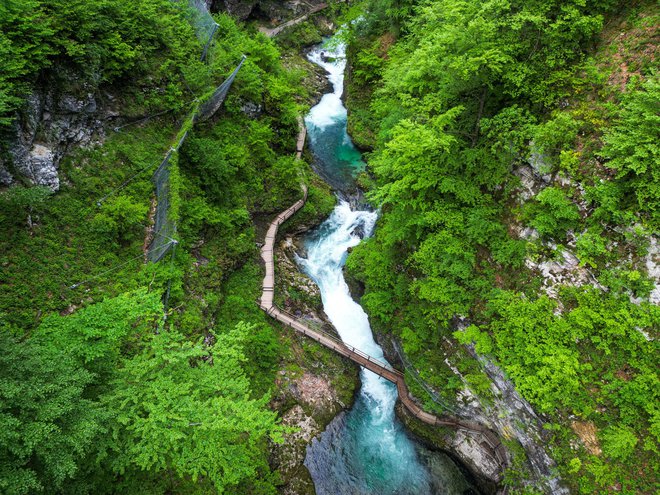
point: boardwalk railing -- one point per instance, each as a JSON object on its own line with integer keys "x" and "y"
{"x": 485, "y": 436}
{"x": 339, "y": 343}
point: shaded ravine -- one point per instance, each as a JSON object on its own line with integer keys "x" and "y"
{"x": 389, "y": 465}
{"x": 366, "y": 450}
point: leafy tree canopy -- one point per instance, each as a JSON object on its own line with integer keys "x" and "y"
{"x": 48, "y": 421}
{"x": 184, "y": 408}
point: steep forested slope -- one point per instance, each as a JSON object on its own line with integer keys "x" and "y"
{"x": 516, "y": 163}
{"x": 103, "y": 388}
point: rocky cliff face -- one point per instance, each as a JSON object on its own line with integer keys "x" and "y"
{"x": 514, "y": 418}
{"x": 507, "y": 414}
{"x": 57, "y": 115}
{"x": 269, "y": 10}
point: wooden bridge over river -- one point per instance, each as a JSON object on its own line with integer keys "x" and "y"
{"x": 485, "y": 437}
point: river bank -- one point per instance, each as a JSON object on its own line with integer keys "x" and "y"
{"x": 337, "y": 162}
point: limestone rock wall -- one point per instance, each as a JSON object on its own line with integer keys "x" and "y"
{"x": 57, "y": 115}
{"x": 272, "y": 11}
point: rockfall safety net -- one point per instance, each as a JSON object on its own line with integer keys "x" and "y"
{"x": 164, "y": 231}
{"x": 203, "y": 23}
{"x": 214, "y": 102}
{"x": 164, "y": 227}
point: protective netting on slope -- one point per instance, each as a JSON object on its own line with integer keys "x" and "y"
{"x": 214, "y": 102}
{"x": 435, "y": 397}
{"x": 203, "y": 23}
{"x": 164, "y": 231}
{"x": 164, "y": 225}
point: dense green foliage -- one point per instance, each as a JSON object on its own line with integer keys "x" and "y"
{"x": 462, "y": 97}
{"x": 69, "y": 240}
{"x": 97, "y": 394}
{"x": 196, "y": 422}
{"x": 51, "y": 384}
{"x": 48, "y": 424}
{"x": 103, "y": 389}
{"x": 632, "y": 145}
{"x": 147, "y": 42}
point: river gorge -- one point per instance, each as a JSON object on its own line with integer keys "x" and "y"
{"x": 365, "y": 450}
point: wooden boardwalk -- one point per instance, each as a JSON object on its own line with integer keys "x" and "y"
{"x": 278, "y": 29}
{"x": 484, "y": 435}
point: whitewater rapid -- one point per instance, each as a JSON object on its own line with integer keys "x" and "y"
{"x": 365, "y": 451}
{"x": 369, "y": 452}
{"x": 336, "y": 159}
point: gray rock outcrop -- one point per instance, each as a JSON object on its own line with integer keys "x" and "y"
{"x": 506, "y": 413}
{"x": 513, "y": 417}
{"x": 271, "y": 10}
{"x": 38, "y": 165}
{"x": 54, "y": 118}
{"x": 240, "y": 9}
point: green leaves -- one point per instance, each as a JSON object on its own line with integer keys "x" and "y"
{"x": 632, "y": 145}
{"x": 96, "y": 335}
{"x": 469, "y": 92}
{"x": 103, "y": 40}
{"x": 121, "y": 218}
{"x": 185, "y": 408}
{"x": 546, "y": 353}
{"x": 24, "y": 29}
{"x": 619, "y": 442}
{"x": 553, "y": 214}
{"x": 48, "y": 423}
{"x": 172, "y": 406}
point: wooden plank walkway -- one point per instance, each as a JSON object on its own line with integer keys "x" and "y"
{"x": 382, "y": 369}
{"x": 278, "y": 29}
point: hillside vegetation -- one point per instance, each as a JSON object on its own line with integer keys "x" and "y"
{"x": 103, "y": 389}
{"x": 514, "y": 157}
{"x": 509, "y": 139}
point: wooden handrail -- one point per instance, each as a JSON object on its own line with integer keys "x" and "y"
{"x": 384, "y": 370}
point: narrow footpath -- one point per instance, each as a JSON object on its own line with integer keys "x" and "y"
{"x": 278, "y": 29}
{"x": 482, "y": 434}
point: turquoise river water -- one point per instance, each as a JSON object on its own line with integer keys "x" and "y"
{"x": 366, "y": 450}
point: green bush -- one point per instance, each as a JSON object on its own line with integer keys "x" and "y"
{"x": 553, "y": 214}
{"x": 619, "y": 442}
{"x": 143, "y": 42}
{"x": 632, "y": 145}
{"x": 591, "y": 247}
{"x": 124, "y": 215}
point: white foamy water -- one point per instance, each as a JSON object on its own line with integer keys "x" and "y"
{"x": 365, "y": 451}
{"x": 336, "y": 160}
{"x": 330, "y": 110}
{"x": 325, "y": 259}
{"x": 377, "y": 455}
